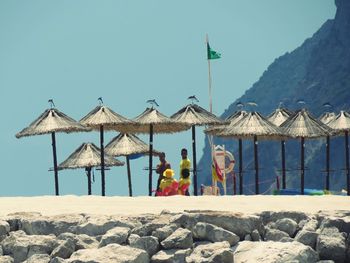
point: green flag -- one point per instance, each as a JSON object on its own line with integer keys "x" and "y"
{"x": 212, "y": 54}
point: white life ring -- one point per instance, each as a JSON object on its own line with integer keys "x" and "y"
{"x": 232, "y": 162}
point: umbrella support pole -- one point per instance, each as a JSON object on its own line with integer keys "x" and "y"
{"x": 283, "y": 153}
{"x": 150, "y": 159}
{"x": 327, "y": 161}
{"x": 347, "y": 162}
{"x": 302, "y": 171}
{"x": 102, "y": 161}
{"x": 256, "y": 165}
{"x": 240, "y": 166}
{"x": 195, "y": 185}
{"x": 53, "y": 137}
{"x": 129, "y": 174}
{"x": 88, "y": 169}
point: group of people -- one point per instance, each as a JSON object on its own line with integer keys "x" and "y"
{"x": 167, "y": 184}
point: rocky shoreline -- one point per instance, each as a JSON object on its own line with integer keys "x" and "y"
{"x": 191, "y": 236}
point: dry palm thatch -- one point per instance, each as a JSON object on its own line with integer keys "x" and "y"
{"x": 52, "y": 120}
{"x": 125, "y": 145}
{"x": 87, "y": 155}
{"x": 279, "y": 116}
{"x": 342, "y": 124}
{"x": 230, "y": 120}
{"x": 195, "y": 115}
{"x": 327, "y": 117}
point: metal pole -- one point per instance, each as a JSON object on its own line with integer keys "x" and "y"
{"x": 240, "y": 166}
{"x": 234, "y": 184}
{"x": 53, "y": 138}
{"x": 88, "y": 169}
{"x": 283, "y": 149}
{"x": 327, "y": 161}
{"x": 102, "y": 161}
{"x": 302, "y": 171}
{"x": 129, "y": 174}
{"x": 209, "y": 76}
{"x": 150, "y": 159}
{"x": 347, "y": 161}
{"x": 194, "y": 160}
{"x": 256, "y": 164}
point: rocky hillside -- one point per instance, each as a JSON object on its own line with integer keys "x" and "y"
{"x": 317, "y": 72}
{"x": 191, "y": 237}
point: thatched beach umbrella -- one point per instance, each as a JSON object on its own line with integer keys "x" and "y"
{"x": 103, "y": 118}
{"x": 232, "y": 119}
{"x": 52, "y": 121}
{"x": 125, "y": 145}
{"x": 277, "y": 117}
{"x": 303, "y": 125}
{"x": 194, "y": 115}
{"x": 326, "y": 118}
{"x": 253, "y": 125}
{"x": 88, "y": 155}
{"x": 342, "y": 124}
{"x": 152, "y": 121}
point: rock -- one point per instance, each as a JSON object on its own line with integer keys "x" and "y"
{"x": 147, "y": 229}
{"x": 255, "y": 235}
{"x": 165, "y": 231}
{"x": 21, "y": 246}
{"x": 181, "y": 238}
{"x": 14, "y": 219}
{"x": 214, "y": 252}
{"x": 247, "y": 237}
{"x": 6, "y": 259}
{"x": 286, "y": 239}
{"x": 205, "y": 231}
{"x": 64, "y": 250}
{"x": 325, "y": 261}
{"x": 4, "y": 228}
{"x": 307, "y": 238}
{"x": 117, "y": 235}
{"x": 81, "y": 241}
{"x": 275, "y": 235}
{"x": 343, "y": 224}
{"x": 331, "y": 245}
{"x": 57, "y": 260}
{"x": 268, "y": 252}
{"x": 311, "y": 225}
{"x": 148, "y": 243}
{"x": 199, "y": 243}
{"x": 111, "y": 253}
{"x": 1, "y": 251}
{"x": 96, "y": 226}
{"x": 171, "y": 256}
{"x": 287, "y": 225}
{"x": 38, "y": 258}
{"x": 269, "y": 216}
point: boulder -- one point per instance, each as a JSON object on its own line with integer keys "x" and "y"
{"x": 181, "y": 239}
{"x": 111, "y": 253}
{"x": 310, "y": 225}
{"x": 171, "y": 256}
{"x": 117, "y": 235}
{"x": 21, "y": 246}
{"x": 268, "y": 252}
{"x": 275, "y": 235}
{"x": 255, "y": 235}
{"x": 331, "y": 245}
{"x": 269, "y": 216}
{"x": 287, "y": 225}
{"x": 307, "y": 238}
{"x": 148, "y": 243}
{"x": 6, "y": 259}
{"x": 205, "y": 231}
{"x": 81, "y": 241}
{"x": 343, "y": 224}
{"x": 214, "y": 252}
{"x": 248, "y": 237}
{"x": 57, "y": 260}
{"x": 1, "y": 251}
{"x": 64, "y": 250}
{"x": 14, "y": 219}
{"x": 95, "y": 226}
{"x": 165, "y": 231}
{"x": 38, "y": 258}
{"x": 4, "y": 228}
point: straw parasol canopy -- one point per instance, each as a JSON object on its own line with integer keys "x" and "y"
{"x": 303, "y": 125}
{"x": 103, "y": 118}
{"x": 252, "y": 125}
{"x": 125, "y": 145}
{"x": 152, "y": 121}
{"x": 326, "y": 118}
{"x": 194, "y": 115}
{"x": 51, "y": 121}
{"x": 342, "y": 124}
{"x": 279, "y": 116}
{"x": 88, "y": 156}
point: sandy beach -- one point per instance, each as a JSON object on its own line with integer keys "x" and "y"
{"x": 54, "y": 205}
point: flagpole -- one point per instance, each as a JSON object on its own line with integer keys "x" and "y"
{"x": 209, "y": 76}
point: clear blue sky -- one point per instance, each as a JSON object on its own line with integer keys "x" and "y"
{"x": 129, "y": 52}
